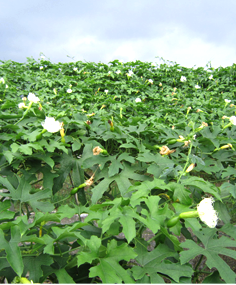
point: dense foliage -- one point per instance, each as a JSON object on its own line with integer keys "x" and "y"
{"x": 141, "y": 145}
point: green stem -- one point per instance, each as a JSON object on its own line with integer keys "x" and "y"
{"x": 187, "y": 162}
{"x": 196, "y": 267}
{"x": 62, "y": 200}
{"x": 25, "y": 113}
{"x": 158, "y": 234}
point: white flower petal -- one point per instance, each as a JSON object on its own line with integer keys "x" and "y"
{"x": 233, "y": 120}
{"x": 207, "y": 213}
{"x": 21, "y": 105}
{"x": 51, "y": 125}
{"x": 31, "y": 97}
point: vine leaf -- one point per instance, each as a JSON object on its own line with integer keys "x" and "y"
{"x": 22, "y": 194}
{"x": 108, "y": 268}
{"x": 153, "y": 263}
{"x": 64, "y": 277}
{"x": 12, "y": 250}
{"x": 212, "y": 247}
{"x": 32, "y": 264}
{"x": 122, "y": 179}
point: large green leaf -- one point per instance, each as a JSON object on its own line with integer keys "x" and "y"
{"x": 212, "y": 248}
{"x": 33, "y": 264}
{"x": 4, "y": 212}
{"x": 125, "y": 216}
{"x": 22, "y": 194}
{"x": 64, "y": 277}
{"x": 108, "y": 268}
{"x": 12, "y": 250}
{"x": 122, "y": 179}
{"x": 152, "y": 263}
{"x": 205, "y": 186}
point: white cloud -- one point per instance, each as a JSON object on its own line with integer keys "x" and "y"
{"x": 187, "y": 33}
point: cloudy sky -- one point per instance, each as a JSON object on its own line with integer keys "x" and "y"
{"x": 189, "y": 32}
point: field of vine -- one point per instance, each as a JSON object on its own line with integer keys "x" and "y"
{"x": 145, "y": 147}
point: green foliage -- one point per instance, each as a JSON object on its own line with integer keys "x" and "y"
{"x": 134, "y": 165}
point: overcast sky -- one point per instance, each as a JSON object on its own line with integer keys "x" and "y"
{"x": 189, "y": 32}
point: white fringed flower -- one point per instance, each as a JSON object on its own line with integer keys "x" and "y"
{"x": 138, "y": 100}
{"x": 233, "y": 120}
{"x": 31, "y": 97}
{"x": 130, "y": 73}
{"x": 21, "y": 105}
{"x": 183, "y": 79}
{"x": 150, "y": 81}
{"x": 227, "y": 101}
{"x": 207, "y": 213}
{"x": 83, "y": 215}
{"x": 106, "y": 91}
{"x": 69, "y": 90}
{"x": 51, "y": 125}
{"x": 197, "y": 87}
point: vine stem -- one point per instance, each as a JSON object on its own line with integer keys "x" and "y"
{"x": 62, "y": 200}
{"x": 196, "y": 267}
{"x": 187, "y": 162}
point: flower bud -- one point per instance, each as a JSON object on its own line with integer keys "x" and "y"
{"x": 190, "y": 168}
{"x": 173, "y": 221}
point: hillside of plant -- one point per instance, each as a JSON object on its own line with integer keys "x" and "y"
{"x": 144, "y": 147}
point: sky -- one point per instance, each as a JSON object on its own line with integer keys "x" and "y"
{"x": 188, "y": 32}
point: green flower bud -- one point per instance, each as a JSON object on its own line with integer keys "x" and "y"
{"x": 173, "y": 221}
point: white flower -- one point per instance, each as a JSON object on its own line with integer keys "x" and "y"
{"x": 32, "y": 98}
{"x": 83, "y": 215}
{"x": 153, "y": 64}
{"x": 106, "y": 91}
{"x": 75, "y": 68}
{"x": 51, "y": 125}
{"x": 227, "y": 101}
{"x": 2, "y": 80}
{"x": 21, "y": 105}
{"x": 207, "y": 213}
{"x": 41, "y": 67}
{"x": 151, "y": 81}
{"x": 197, "y": 86}
{"x": 183, "y": 79}
{"x": 118, "y": 72}
{"x": 211, "y": 77}
{"x": 6, "y": 86}
{"x": 130, "y": 73}
{"x": 233, "y": 120}
{"x": 69, "y": 90}
{"x": 138, "y": 100}
{"x": 109, "y": 72}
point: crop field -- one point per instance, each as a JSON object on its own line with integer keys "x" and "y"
{"x": 126, "y": 148}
